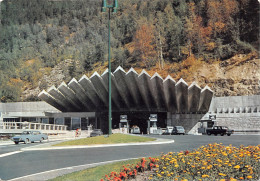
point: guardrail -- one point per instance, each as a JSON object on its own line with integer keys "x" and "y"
{"x": 17, "y": 127}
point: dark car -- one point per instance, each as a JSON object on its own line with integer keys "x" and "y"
{"x": 178, "y": 130}
{"x": 222, "y": 130}
{"x": 96, "y": 132}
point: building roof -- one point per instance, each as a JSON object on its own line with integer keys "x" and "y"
{"x": 130, "y": 92}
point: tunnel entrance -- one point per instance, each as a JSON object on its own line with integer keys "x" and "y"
{"x": 139, "y": 119}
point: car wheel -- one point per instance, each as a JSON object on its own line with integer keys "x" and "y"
{"x": 216, "y": 134}
{"x": 208, "y": 133}
{"x": 16, "y": 143}
{"x": 27, "y": 141}
{"x": 222, "y": 134}
{"x": 228, "y": 134}
{"x": 41, "y": 140}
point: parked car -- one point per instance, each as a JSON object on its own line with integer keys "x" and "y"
{"x": 222, "y": 130}
{"x": 96, "y": 132}
{"x": 135, "y": 130}
{"x": 178, "y": 130}
{"x": 168, "y": 130}
{"x": 29, "y": 137}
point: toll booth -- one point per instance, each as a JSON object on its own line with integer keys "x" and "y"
{"x": 152, "y": 124}
{"x": 123, "y": 125}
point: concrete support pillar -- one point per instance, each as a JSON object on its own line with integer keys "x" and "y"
{"x": 170, "y": 94}
{"x": 115, "y": 95}
{"x": 120, "y": 78}
{"x": 193, "y": 97}
{"x": 205, "y": 99}
{"x": 132, "y": 85}
{"x": 158, "y": 92}
{"x": 181, "y": 88}
{"x": 100, "y": 87}
{"x": 145, "y": 90}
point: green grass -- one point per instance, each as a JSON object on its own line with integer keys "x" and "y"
{"x": 112, "y": 139}
{"x": 95, "y": 173}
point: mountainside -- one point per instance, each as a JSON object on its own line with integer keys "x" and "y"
{"x": 218, "y": 75}
{"x": 45, "y": 42}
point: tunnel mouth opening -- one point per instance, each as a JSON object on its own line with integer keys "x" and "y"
{"x": 139, "y": 119}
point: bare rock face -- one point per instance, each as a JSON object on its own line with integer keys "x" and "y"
{"x": 51, "y": 76}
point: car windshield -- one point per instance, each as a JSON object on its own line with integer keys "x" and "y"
{"x": 179, "y": 127}
{"x": 26, "y": 132}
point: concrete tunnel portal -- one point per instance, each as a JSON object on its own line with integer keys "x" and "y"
{"x": 135, "y": 95}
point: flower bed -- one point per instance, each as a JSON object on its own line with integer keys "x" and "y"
{"x": 213, "y": 161}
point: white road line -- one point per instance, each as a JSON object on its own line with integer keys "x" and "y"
{"x": 10, "y": 153}
{"x": 27, "y": 177}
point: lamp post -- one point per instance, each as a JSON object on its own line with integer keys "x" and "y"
{"x": 112, "y": 4}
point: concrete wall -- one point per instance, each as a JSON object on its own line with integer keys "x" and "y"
{"x": 241, "y": 113}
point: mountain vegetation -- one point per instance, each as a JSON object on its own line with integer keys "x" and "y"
{"x": 37, "y": 35}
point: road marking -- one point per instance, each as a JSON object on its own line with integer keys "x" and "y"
{"x": 27, "y": 177}
{"x": 10, "y": 153}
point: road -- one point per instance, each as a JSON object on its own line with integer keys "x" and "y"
{"x": 31, "y": 162}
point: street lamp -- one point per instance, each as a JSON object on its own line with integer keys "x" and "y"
{"x": 111, "y": 4}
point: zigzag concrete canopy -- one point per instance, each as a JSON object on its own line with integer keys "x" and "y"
{"x": 130, "y": 92}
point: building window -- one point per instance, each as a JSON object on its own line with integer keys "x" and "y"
{"x": 59, "y": 121}
{"x": 45, "y": 120}
{"x": 75, "y": 123}
{"x": 68, "y": 122}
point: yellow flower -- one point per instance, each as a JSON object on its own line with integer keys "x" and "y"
{"x": 204, "y": 176}
{"x": 209, "y": 167}
{"x": 222, "y": 174}
{"x": 242, "y": 178}
{"x": 176, "y": 166}
{"x": 222, "y": 180}
{"x": 168, "y": 175}
{"x": 162, "y": 173}
{"x": 203, "y": 168}
{"x": 237, "y": 166}
{"x": 159, "y": 175}
{"x": 233, "y": 179}
{"x": 249, "y": 177}
{"x": 164, "y": 168}
{"x": 220, "y": 161}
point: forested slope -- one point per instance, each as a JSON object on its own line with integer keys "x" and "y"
{"x": 170, "y": 36}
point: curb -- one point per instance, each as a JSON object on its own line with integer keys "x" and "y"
{"x": 157, "y": 142}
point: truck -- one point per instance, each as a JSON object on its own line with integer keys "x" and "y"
{"x": 222, "y": 130}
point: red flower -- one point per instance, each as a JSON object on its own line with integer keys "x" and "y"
{"x": 101, "y": 179}
{"x": 186, "y": 152}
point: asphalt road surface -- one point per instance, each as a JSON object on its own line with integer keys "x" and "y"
{"x": 31, "y": 162}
